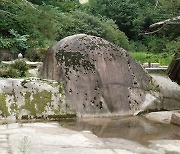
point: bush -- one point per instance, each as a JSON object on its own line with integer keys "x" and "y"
{"x": 11, "y": 73}
{"x": 173, "y": 47}
{"x": 2, "y": 72}
{"x": 35, "y": 54}
{"x": 79, "y": 22}
{"x": 17, "y": 69}
{"x": 43, "y": 26}
{"x": 8, "y": 72}
{"x": 21, "y": 67}
{"x": 138, "y": 46}
{"x": 16, "y": 44}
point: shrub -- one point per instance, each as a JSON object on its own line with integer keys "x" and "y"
{"x": 35, "y": 54}
{"x": 138, "y": 46}
{"x": 17, "y": 69}
{"x": 16, "y": 43}
{"x": 11, "y": 72}
{"x": 2, "y": 72}
{"x": 79, "y": 22}
{"x": 21, "y": 67}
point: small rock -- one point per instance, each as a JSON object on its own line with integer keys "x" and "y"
{"x": 162, "y": 116}
{"x": 175, "y": 119}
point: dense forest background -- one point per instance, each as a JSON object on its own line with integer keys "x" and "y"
{"x": 30, "y": 27}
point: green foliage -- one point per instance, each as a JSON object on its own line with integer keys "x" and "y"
{"x": 18, "y": 69}
{"x": 173, "y": 46}
{"x": 163, "y": 58}
{"x": 38, "y": 24}
{"x": 123, "y": 13}
{"x": 17, "y": 43}
{"x": 79, "y": 22}
{"x": 23, "y": 26}
{"x": 134, "y": 17}
{"x": 153, "y": 87}
{"x": 20, "y": 66}
{"x": 138, "y": 46}
{"x": 50, "y": 22}
{"x": 37, "y": 54}
{"x": 11, "y": 72}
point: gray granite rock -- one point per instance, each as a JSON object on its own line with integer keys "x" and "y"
{"x": 99, "y": 78}
{"x": 175, "y": 118}
{"x": 170, "y": 92}
{"x": 32, "y": 98}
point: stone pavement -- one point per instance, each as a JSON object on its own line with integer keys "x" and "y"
{"x": 50, "y": 138}
{"x": 5, "y": 147}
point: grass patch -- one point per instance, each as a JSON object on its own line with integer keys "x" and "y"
{"x": 162, "y": 58}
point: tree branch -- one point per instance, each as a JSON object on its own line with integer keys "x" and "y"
{"x": 147, "y": 33}
{"x": 168, "y": 21}
{"x": 160, "y": 25}
{"x": 29, "y": 4}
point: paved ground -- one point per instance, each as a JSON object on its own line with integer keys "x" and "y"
{"x": 50, "y": 138}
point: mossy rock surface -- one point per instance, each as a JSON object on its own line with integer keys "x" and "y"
{"x": 3, "y": 106}
{"x": 32, "y": 98}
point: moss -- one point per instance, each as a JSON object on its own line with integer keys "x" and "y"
{"x": 54, "y": 85}
{"x": 153, "y": 87}
{"x": 74, "y": 60}
{"x": 28, "y": 105}
{"x": 57, "y": 112}
{"x": 3, "y": 106}
{"x": 68, "y": 109}
{"x": 93, "y": 46}
{"x": 62, "y": 112}
{"x": 62, "y": 89}
{"x": 38, "y": 103}
{"x": 14, "y": 107}
{"x": 12, "y": 94}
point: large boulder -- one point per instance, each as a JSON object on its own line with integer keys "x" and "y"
{"x": 170, "y": 92}
{"x": 99, "y": 78}
{"x": 32, "y": 98}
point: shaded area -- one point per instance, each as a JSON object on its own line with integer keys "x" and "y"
{"x": 174, "y": 71}
{"x": 137, "y": 129}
